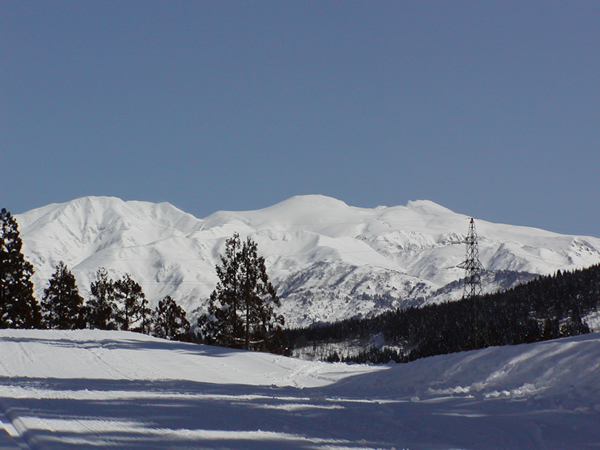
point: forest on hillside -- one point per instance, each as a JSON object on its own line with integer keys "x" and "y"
{"x": 546, "y": 308}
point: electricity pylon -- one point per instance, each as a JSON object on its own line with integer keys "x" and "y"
{"x": 471, "y": 264}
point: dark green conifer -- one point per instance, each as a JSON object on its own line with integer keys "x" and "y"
{"x": 241, "y": 312}
{"x": 62, "y": 306}
{"x": 131, "y": 312}
{"x": 169, "y": 321}
{"x": 18, "y": 306}
{"x": 101, "y": 305}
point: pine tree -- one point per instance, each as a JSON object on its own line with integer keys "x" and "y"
{"x": 18, "y": 306}
{"x": 223, "y": 324}
{"x": 131, "y": 312}
{"x": 62, "y": 306}
{"x": 101, "y": 306}
{"x": 241, "y": 312}
{"x": 169, "y": 321}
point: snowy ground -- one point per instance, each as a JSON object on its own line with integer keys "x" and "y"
{"x": 94, "y": 389}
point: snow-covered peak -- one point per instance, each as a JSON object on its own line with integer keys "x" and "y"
{"x": 308, "y": 202}
{"x": 304, "y": 212}
{"x": 330, "y": 260}
{"x": 104, "y": 211}
{"x": 428, "y": 206}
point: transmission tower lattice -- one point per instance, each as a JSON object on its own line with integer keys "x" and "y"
{"x": 472, "y": 265}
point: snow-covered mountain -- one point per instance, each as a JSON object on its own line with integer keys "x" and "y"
{"x": 328, "y": 260}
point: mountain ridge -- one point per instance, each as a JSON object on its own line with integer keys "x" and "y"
{"x": 328, "y": 260}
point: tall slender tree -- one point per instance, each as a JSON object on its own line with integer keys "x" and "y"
{"x": 62, "y": 306}
{"x": 131, "y": 311}
{"x": 18, "y": 306}
{"x": 241, "y": 312}
{"x": 223, "y": 324}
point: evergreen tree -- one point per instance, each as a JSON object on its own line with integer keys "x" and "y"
{"x": 169, "y": 321}
{"x": 101, "y": 306}
{"x": 223, "y": 324}
{"x": 131, "y": 312}
{"x": 18, "y": 307}
{"x": 62, "y": 306}
{"x": 241, "y": 312}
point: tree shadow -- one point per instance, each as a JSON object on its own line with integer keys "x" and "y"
{"x": 172, "y": 414}
{"x": 87, "y": 413}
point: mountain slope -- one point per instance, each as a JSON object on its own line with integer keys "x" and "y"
{"x": 328, "y": 260}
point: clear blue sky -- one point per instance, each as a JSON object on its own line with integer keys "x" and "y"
{"x": 490, "y": 108}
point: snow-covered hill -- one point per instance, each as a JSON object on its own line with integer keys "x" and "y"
{"x": 90, "y": 389}
{"x": 328, "y": 260}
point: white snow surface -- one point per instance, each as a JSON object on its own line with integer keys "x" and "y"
{"x": 328, "y": 260}
{"x": 89, "y": 389}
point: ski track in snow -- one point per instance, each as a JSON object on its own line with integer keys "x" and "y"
{"x": 96, "y": 389}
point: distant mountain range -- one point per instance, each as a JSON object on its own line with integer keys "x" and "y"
{"x": 328, "y": 260}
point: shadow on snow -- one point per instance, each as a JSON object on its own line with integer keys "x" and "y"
{"x": 170, "y": 414}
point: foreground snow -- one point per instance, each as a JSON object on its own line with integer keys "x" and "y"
{"x": 96, "y": 389}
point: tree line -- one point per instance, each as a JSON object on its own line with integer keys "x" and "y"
{"x": 546, "y": 308}
{"x": 241, "y": 313}
{"x": 113, "y": 305}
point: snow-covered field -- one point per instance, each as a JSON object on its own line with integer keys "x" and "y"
{"x": 97, "y": 389}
